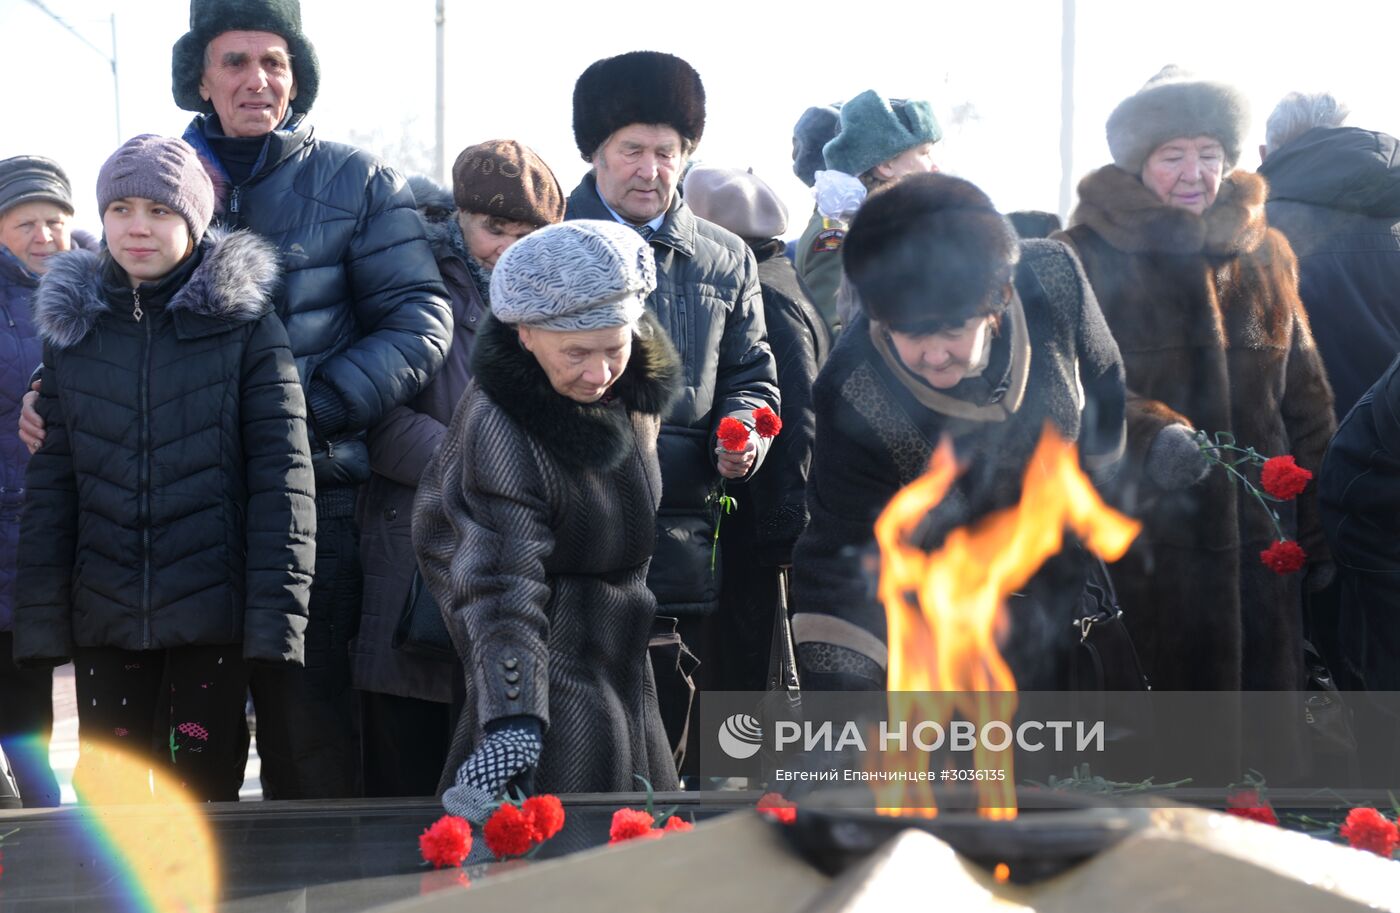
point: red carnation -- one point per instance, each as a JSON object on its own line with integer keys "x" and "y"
{"x": 677, "y": 824}
{"x": 766, "y": 422}
{"x": 446, "y": 842}
{"x": 509, "y": 832}
{"x": 1284, "y": 557}
{"x": 629, "y": 824}
{"x": 1247, "y": 803}
{"x": 733, "y": 436}
{"x": 1367, "y": 829}
{"x": 1283, "y": 478}
{"x": 775, "y": 806}
{"x": 546, "y": 815}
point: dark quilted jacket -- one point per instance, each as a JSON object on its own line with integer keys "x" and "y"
{"x": 708, "y": 299}
{"x": 534, "y": 527}
{"x": 20, "y": 351}
{"x": 362, "y": 301}
{"x": 172, "y": 502}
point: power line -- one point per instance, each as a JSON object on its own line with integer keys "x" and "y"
{"x": 110, "y": 58}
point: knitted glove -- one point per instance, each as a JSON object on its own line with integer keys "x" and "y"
{"x": 509, "y": 751}
{"x": 1174, "y": 460}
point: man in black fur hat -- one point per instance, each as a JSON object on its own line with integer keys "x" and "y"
{"x": 637, "y": 119}
{"x": 366, "y": 313}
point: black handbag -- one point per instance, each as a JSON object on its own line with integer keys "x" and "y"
{"x": 421, "y": 630}
{"x": 1104, "y": 658}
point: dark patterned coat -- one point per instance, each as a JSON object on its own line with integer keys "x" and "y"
{"x": 1054, "y": 361}
{"x": 534, "y": 527}
{"x": 1206, "y": 312}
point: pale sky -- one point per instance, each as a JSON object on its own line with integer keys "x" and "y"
{"x": 511, "y": 66}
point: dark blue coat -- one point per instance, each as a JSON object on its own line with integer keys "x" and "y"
{"x": 1359, "y": 492}
{"x": 20, "y": 353}
{"x": 362, "y": 300}
{"x": 1335, "y": 194}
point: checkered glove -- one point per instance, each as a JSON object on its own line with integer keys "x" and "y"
{"x": 509, "y": 752}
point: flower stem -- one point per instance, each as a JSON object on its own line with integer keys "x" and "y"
{"x": 1250, "y": 456}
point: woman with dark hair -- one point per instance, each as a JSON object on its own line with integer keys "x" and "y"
{"x": 964, "y": 333}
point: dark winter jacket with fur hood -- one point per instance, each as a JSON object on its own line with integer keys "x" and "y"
{"x": 1206, "y": 312}
{"x": 534, "y": 526}
{"x": 399, "y": 448}
{"x": 172, "y": 502}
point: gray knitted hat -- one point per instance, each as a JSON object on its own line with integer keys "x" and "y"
{"x": 737, "y": 200}
{"x": 579, "y": 275}
{"x": 29, "y": 178}
{"x": 1171, "y": 104}
{"x": 160, "y": 168}
{"x": 874, "y": 130}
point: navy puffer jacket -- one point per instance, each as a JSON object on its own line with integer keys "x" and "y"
{"x": 172, "y": 502}
{"x": 362, "y": 301}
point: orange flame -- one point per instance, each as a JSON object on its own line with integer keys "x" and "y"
{"x": 945, "y": 609}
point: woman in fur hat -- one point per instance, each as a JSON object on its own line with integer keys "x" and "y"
{"x": 965, "y": 333}
{"x": 168, "y": 535}
{"x": 535, "y": 523}
{"x": 1202, "y": 297}
{"x": 501, "y": 191}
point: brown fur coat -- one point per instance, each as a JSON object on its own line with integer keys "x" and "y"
{"x": 1205, "y": 310}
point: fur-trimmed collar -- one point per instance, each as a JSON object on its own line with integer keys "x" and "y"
{"x": 439, "y": 214}
{"x": 233, "y": 284}
{"x": 1120, "y": 208}
{"x": 583, "y": 436}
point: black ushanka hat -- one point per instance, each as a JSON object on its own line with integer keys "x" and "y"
{"x": 639, "y": 87}
{"x": 211, "y": 18}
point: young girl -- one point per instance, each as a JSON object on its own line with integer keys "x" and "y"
{"x": 168, "y": 530}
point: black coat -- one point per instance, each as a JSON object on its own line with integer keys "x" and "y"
{"x": 171, "y": 503}
{"x": 875, "y": 435}
{"x": 534, "y": 526}
{"x": 400, "y": 447}
{"x": 1359, "y": 491}
{"x": 362, "y": 300}
{"x": 707, "y": 297}
{"x": 1335, "y": 194}
{"x": 758, "y": 538}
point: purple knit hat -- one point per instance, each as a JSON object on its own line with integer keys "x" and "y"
{"x": 160, "y": 168}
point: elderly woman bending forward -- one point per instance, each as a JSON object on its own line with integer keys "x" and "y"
{"x": 1202, "y": 297}
{"x": 534, "y": 523}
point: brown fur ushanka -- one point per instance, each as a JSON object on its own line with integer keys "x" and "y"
{"x": 1206, "y": 312}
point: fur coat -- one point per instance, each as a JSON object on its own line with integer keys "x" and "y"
{"x": 1206, "y": 313}
{"x": 534, "y": 526}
